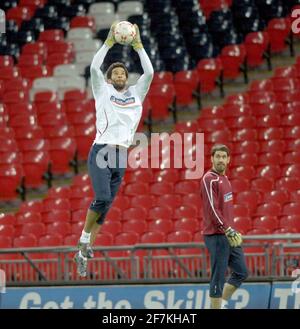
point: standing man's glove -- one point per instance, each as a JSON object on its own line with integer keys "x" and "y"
{"x": 234, "y": 237}
{"x": 137, "y": 42}
{"x": 110, "y": 40}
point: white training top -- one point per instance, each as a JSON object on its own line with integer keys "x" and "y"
{"x": 118, "y": 113}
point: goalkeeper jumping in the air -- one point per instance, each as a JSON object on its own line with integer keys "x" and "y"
{"x": 118, "y": 112}
{"x": 222, "y": 241}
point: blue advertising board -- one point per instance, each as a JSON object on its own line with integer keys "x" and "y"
{"x": 164, "y": 296}
{"x": 285, "y": 295}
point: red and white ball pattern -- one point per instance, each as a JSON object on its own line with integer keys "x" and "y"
{"x": 124, "y": 33}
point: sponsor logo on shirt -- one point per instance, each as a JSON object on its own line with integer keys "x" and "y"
{"x": 122, "y": 102}
{"x": 228, "y": 197}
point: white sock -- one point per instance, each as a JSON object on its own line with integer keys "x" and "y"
{"x": 80, "y": 254}
{"x": 224, "y": 303}
{"x": 85, "y": 237}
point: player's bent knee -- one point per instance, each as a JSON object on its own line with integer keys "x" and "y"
{"x": 99, "y": 206}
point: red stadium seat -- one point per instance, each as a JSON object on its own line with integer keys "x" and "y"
{"x": 60, "y": 228}
{"x": 262, "y": 184}
{"x": 244, "y": 172}
{"x": 83, "y": 21}
{"x": 151, "y": 237}
{"x": 187, "y": 224}
{"x": 213, "y": 112}
{"x": 135, "y": 213}
{"x": 186, "y": 83}
{"x": 104, "y": 239}
{"x": 170, "y": 200}
{"x": 236, "y": 111}
{"x": 160, "y": 212}
{"x": 77, "y": 228}
{"x": 240, "y": 185}
{"x": 269, "y": 120}
{"x": 144, "y": 175}
{"x": 52, "y": 240}
{"x": 7, "y": 230}
{"x": 273, "y": 146}
{"x": 114, "y": 214}
{"x": 246, "y": 134}
{"x": 291, "y": 171}
{"x": 272, "y": 171}
{"x": 37, "y": 229}
{"x": 259, "y": 231}
{"x": 289, "y": 184}
{"x": 285, "y": 72}
{"x": 291, "y": 209}
{"x": 261, "y": 85}
{"x": 292, "y": 133}
{"x": 143, "y": 201}
{"x": 28, "y": 217}
{"x": 19, "y": 14}
{"x": 71, "y": 240}
{"x": 162, "y": 98}
{"x": 244, "y": 159}
{"x": 164, "y": 77}
{"x": 269, "y": 223}
{"x": 270, "y": 133}
{"x": 10, "y": 177}
{"x": 5, "y": 242}
{"x": 161, "y": 225}
{"x": 32, "y": 206}
{"x": 161, "y": 188}
{"x": 188, "y": 186}
{"x": 25, "y": 241}
{"x": 112, "y": 227}
{"x": 256, "y": 44}
{"x": 192, "y": 199}
{"x": 240, "y": 210}
{"x": 56, "y": 215}
{"x": 35, "y": 166}
{"x": 267, "y": 158}
{"x": 295, "y": 196}
{"x": 186, "y": 212}
{"x": 242, "y": 224}
{"x": 278, "y": 30}
{"x": 135, "y": 189}
{"x": 122, "y": 202}
{"x": 7, "y": 219}
{"x": 233, "y": 58}
{"x": 180, "y": 236}
{"x": 209, "y": 72}
{"x": 278, "y": 196}
{"x": 56, "y": 204}
{"x": 135, "y": 225}
{"x": 84, "y": 136}
{"x": 290, "y": 222}
{"x": 6, "y": 60}
{"x": 249, "y": 199}
{"x": 78, "y": 215}
{"x": 269, "y": 209}
{"x": 126, "y": 238}
{"x": 291, "y": 158}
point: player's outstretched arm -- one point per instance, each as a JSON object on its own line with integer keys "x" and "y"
{"x": 97, "y": 76}
{"x": 144, "y": 81}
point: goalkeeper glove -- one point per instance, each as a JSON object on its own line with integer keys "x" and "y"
{"x": 110, "y": 40}
{"x": 137, "y": 42}
{"x": 234, "y": 237}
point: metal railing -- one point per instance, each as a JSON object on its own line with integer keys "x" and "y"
{"x": 267, "y": 256}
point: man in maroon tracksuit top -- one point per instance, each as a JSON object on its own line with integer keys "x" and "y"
{"x": 222, "y": 241}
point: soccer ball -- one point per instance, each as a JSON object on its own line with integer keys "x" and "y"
{"x": 124, "y": 33}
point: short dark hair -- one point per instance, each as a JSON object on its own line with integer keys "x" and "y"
{"x": 113, "y": 66}
{"x": 219, "y": 147}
